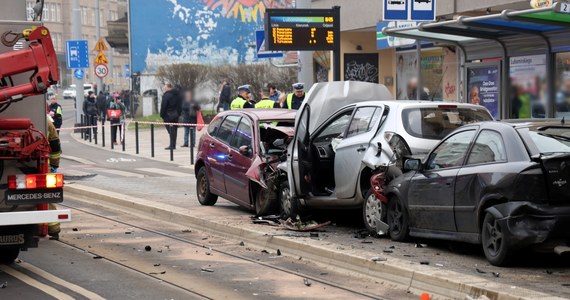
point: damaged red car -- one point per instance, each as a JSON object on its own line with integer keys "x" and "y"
{"x": 238, "y": 158}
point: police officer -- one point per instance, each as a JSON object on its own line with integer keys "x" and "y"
{"x": 242, "y": 100}
{"x": 295, "y": 99}
{"x": 265, "y": 102}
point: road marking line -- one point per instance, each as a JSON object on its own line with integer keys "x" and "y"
{"x": 34, "y": 283}
{"x": 68, "y": 285}
{"x": 120, "y": 173}
{"x": 165, "y": 172}
{"x": 78, "y": 159}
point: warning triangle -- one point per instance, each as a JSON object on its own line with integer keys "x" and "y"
{"x": 100, "y": 59}
{"x": 100, "y": 46}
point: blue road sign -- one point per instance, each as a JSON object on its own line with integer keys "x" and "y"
{"x": 396, "y": 10}
{"x": 422, "y": 10}
{"x": 260, "y": 46}
{"x": 127, "y": 70}
{"x": 77, "y": 54}
{"x": 78, "y": 73}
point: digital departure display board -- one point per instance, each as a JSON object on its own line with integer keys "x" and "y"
{"x": 302, "y": 29}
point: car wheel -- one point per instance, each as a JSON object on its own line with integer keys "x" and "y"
{"x": 205, "y": 197}
{"x": 493, "y": 237}
{"x": 398, "y": 220}
{"x": 371, "y": 210}
{"x": 7, "y": 256}
{"x": 289, "y": 206}
{"x": 264, "y": 203}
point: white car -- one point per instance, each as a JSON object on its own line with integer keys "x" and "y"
{"x": 69, "y": 93}
{"x": 346, "y": 131}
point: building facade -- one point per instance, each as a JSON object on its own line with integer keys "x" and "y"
{"x": 57, "y": 16}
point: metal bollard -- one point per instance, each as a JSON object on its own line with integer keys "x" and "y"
{"x": 82, "y": 130}
{"x": 137, "y": 137}
{"x": 103, "y": 135}
{"x": 123, "y": 136}
{"x": 192, "y": 145}
{"x": 151, "y": 140}
{"x": 91, "y": 130}
{"x": 97, "y": 132}
{"x": 112, "y": 142}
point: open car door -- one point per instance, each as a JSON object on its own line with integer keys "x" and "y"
{"x": 300, "y": 160}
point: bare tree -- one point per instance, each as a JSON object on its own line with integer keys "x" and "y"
{"x": 187, "y": 76}
{"x": 256, "y": 75}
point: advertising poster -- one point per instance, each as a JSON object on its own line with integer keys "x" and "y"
{"x": 449, "y": 85}
{"x": 432, "y": 73}
{"x": 361, "y": 67}
{"x": 484, "y": 86}
{"x": 528, "y": 84}
{"x": 406, "y": 69}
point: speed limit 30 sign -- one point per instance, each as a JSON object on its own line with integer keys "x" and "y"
{"x": 101, "y": 70}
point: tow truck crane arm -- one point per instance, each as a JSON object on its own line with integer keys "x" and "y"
{"x": 39, "y": 57}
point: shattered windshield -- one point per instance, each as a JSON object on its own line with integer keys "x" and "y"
{"x": 551, "y": 141}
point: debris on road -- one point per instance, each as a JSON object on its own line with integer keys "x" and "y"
{"x": 97, "y": 257}
{"x": 480, "y": 271}
{"x": 156, "y": 265}
{"x": 421, "y": 245}
{"x": 208, "y": 253}
{"x": 4, "y": 285}
{"x": 278, "y": 252}
{"x": 424, "y": 262}
{"x": 388, "y": 251}
{"x": 128, "y": 232}
{"x": 314, "y": 234}
{"x": 273, "y": 220}
{"x": 147, "y": 248}
{"x": 307, "y": 282}
{"x": 549, "y": 272}
{"x": 361, "y": 234}
{"x": 378, "y": 258}
{"x": 265, "y": 251}
{"x": 366, "y": 242}
{"x": 186, "y": 231}
{"x": 75, "y": 229}
{"x": 496, "y": 274}
{"x": 242, "y": 243}
{"x": 156, "y": 273}
{"x": 207, "y": 270}
{"x": 303, "y": 226}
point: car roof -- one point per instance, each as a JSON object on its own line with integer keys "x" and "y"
{"x": 264, "y": 114}
{"x": 537, "y": 123}
{"x": 420, "y": 103}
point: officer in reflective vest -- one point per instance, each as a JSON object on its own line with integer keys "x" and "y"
{"x": 265, "y": 102}
{"x": 295, "y": 99}
{"x": 242, "y": 99}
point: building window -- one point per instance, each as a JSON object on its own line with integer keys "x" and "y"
{"x": 30, "y": 10}
{"x": 52, "y": 12}
{"x": 562, "y": 84}
{"x": 45, "y": 14}
{"x": 84, "y": 20}
{"x": 58, "y": 12}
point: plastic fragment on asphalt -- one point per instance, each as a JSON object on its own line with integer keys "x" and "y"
{"x": 242, "y": 243}
{"x": 378, "y": 258}
{"x": 128, "y": 232}
{"x": 496, "y": 274}
{"x": 4, "y": 285}
{"x": 147, "y": 248}
{"x": 264, "y": 251}
{"x": 366, "y": 242}
{"x": 207, "y": 270}
{"x": 208, "y": 253}
{"x": 186, "y": 230}
{"x": 480, "y": 271}
{"x": 392, "y": 247}
{"x": 388, "y": 251}
{"x": 307, "y": 282}
{"x": 75, "y": 229}
{"x": 439, "y": 265}
{"x": 420, "y": 245}
{"x": 424, "y": 262}
{"x": 97, "y": 257}
{"x": 278, "y": 252}
{"x": 157, "y": 265}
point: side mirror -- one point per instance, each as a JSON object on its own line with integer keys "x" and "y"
{"x": 279, "y": 143}
{"x": 245, "y": 150}
{"x": 412, "y": 165}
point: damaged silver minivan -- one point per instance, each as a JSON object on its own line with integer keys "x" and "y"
{"x": 348, "y": 131}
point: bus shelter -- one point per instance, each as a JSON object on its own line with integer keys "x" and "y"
{"x": 507, "y": 43}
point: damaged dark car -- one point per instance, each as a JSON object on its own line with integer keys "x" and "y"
{"x": 502, "y": 185}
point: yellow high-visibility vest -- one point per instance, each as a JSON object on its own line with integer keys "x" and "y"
{"x": 265, "y": 103}
{"x": 289, "y": 101}
{"x": 237, "y": 103}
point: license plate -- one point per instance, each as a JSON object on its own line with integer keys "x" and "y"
{"x": 36, "y": 196}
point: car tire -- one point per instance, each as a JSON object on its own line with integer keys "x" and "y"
{"x": 398, "y": 219}
{"x": 263, "y": 204}
{"x": 289, "y": 206}
{"x": 371, "y": 208}
{"x": 205, "y": 197}
{"x": 7, "y": 256}
{"x": 493, "y": 241}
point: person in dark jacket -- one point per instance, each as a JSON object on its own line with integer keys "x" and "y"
{"x": 190, "y": 109}
{"x": 91, "y": 113}
{"x": 225, "y": 95}
{"x": 170, "y": 109}
{"x": 102, "y": 106}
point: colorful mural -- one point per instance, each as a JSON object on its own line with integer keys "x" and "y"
{"x": 190, "y": 31}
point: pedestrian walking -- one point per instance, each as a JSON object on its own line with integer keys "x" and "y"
{"x": 170, "y": 110}
{"x": 190, "y": 110}
{"x": 295, "y": 99}
{"x": 116, "y": 116}
{"x": 56, "y": 112}
{"x": 225, "y": 95}
{"x": 243, "y": 100}
{"x": 102, "y": 106}
{"x": 91, "y": 113}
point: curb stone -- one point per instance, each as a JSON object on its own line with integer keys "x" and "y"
{"x": 417, "y": 278}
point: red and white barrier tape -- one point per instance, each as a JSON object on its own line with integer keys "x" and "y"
{"x": 140, "y": 122}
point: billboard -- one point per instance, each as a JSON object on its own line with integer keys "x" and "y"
{"x": 191, "y": 31}
{"x": 483, "y": 85}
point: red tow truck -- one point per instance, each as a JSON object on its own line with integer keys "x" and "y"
{"x": 28, "y": 67}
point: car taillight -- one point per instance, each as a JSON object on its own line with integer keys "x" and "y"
{"x": 35, "y": 181}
